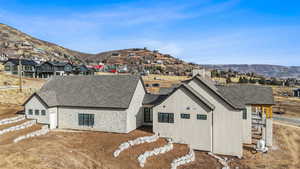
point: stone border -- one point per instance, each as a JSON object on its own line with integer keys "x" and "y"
{"x": 139, "y": 140}
{"x": 160, "y": 150}
{"x": 12, "y": 120}
{"x": 40, "y": 132}
{"x": 18, "y": 127}
{"x": 190, "y": 157}
{"x": 220, "y": 160}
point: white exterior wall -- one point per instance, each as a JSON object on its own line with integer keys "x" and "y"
{"x": 35, "y": 104}
{"x": 269, "y": 132}
{"x": 109, "y": 120}
{"x": 227, "y": 123}
{"x": 247, "y": 126}
{"x": 135, "y": 110}
{"x": 196, "y": 133}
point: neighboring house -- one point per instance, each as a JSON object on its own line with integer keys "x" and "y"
{"x": 83, "y": 70}
{"x": 48, "y": 69}
{"x": 102, "y": 103}
{"x": 296, "y": 92}
{"x": 28, "y": 67}
{"x": 199, "y": 113}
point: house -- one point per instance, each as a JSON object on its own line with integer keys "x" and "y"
{"x": 206, "y": 116}
{"x": 110, "y": 103}
{"x": 296, "y": 92}
{"x": 83, "y": 70}
{"x": 53, "y": 68}
{"x": 28, "y": 67}
{"x": 210, "y": 117}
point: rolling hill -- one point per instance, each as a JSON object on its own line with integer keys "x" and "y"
{"x": 261, "y": 69}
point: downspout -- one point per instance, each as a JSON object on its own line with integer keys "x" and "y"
{"x": 212, "y": 131}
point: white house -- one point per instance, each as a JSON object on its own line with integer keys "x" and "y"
{"x": 197, "y": 112}
{"x": 101, "y": 103}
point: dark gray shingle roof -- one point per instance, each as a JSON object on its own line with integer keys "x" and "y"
{"x": 23, "y": 62}
{"x": 212, "y": 86}
{"x": 106, "y": 91}
{"x": 248, "y": 94}
{"x": 153, "y": 99}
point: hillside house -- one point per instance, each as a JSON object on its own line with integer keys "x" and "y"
{"x": 49, "y": 68}
{"x": 83, "y": 70}
{"x": 28, "y": 67}
{"x": 197, "y": 112}
{"x": 296, "y": 92}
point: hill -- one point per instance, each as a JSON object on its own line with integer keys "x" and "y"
{"x": 14, "y": 43}
{"x": 261, "y": 69}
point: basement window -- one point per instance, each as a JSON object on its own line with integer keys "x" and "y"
{"x": 37, "y": 112}
{"x": 201, "y": 117}
{"x": 86, "y": 119}
{"x": 30, "y": 112}
{"x": 245, "y": 114}
{"x": 43, "y": 112}
{"x": 185, "y": 116}
{"x": 165, "y": 117}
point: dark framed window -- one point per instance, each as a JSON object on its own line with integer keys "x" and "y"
{"x": 30, "y": 112}
{"x": 36, "y": 112}
{"x": 166, "y": 117}
{"x": 85, "y": 119}
{"x": 245, "y": 114}
{"x": 147, "y": 115}
{"x": 43, "y": 112}
{"x": 201, "y": 117}
{"x": 185, "y": 116}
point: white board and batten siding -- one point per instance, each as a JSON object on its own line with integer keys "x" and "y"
{"x": 135, "y": 110}
{"x": 227, "y": 123}
{"x": 36, "y": 104}
{"x": 196, "y": 133}
{"x": 247, "y": 126}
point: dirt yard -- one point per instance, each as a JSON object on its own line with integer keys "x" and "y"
{"x": 64, "y": 149}
{"x": 90, "y": 150}
{"x": 285, "y": 153}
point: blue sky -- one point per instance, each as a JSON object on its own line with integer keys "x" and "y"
{"x": 201, "y": 31}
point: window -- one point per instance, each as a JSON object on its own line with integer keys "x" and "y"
{"x": 30, "y": 112}
{"x": 245, "y": 114}
{"x": 85, "y": 119}
{"x": 37, "y": 112}
{"x": 43, "y": 112}
{"x": 185, "y": 116}
{"x": 201, "y": 117}
{"x": 147, "y": 115}
{"x": 166, "y": 117}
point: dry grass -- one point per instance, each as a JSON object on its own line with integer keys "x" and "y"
{"x": 14, "y": 96}
{"x": 289, "y": 105}
{"x": 285, "y": 153}
{"x": 163, "y": 81}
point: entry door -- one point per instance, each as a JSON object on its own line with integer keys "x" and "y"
{"x": 53, "y": 119}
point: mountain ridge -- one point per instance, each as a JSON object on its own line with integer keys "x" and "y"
{"x": 268, "y": 70}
